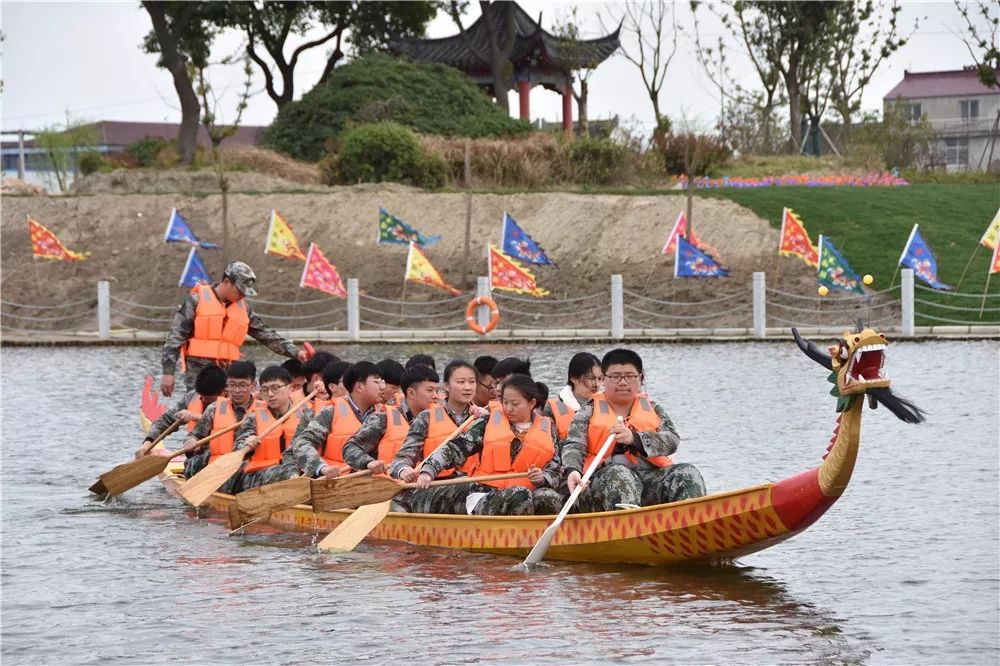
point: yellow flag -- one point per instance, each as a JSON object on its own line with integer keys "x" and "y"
{"x": 280, "y": 239}
{"x": 419, "y": 269}
{"x": 992, "y": 234}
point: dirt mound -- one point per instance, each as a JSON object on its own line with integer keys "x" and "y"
{"x": 21, "y": 188}
{"x": 170, "y": 181}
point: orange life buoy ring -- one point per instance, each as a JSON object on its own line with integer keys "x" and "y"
{"x": 470, "y": 314}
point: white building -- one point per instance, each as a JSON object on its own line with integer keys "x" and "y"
{"x": 963, "y": 113}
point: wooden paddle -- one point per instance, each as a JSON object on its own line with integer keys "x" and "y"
{"x": 130, "y": 474}
{"x": 259, "y": 503}
{"x": 346, "y": 536}
{"x": 537, "y": 553}
{"x": 200, "y": 487}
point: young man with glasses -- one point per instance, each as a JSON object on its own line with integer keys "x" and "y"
{"x": 240, "y": 382}
{"x": 637, "y": 470}
{"x": 487, "y": 386}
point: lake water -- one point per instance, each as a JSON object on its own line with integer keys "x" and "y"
{"x": 903, "y": 569}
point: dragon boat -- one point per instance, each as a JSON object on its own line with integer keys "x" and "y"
{"x": 714, "y": 528}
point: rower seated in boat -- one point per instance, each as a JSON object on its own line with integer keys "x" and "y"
{"x": 513, "y": 438}
{"x": 382, "y": 434}
{"x": 241, "y": 379}
{"x": 583, "y": 382}
{"x": 268, "y": 462}
{"x": 208, "y": 387}
{"x": 392, "y": 374}
{"x": 637, "y": 471}
{"x": 318, "y": 447}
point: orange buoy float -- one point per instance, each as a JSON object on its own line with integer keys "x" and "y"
{"x": 470, "y": 314}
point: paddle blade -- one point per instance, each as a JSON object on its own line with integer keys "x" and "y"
{"x": 260, "y": 502}
{"x": 98, "y": 488}
{"x": 200, "y": 487}
{"x": 349, "y": 492}
{"x": 129, "y": 475}
{"x": 352, "y": 531}
{"x": 537, "y": 553}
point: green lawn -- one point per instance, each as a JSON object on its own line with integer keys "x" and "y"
{"x": 870, "y": 227}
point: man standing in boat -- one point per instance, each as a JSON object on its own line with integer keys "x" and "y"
{"x": 211, "y": 324}
{"x": 637, "y": 471}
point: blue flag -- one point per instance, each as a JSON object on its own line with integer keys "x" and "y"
{"x": 391, "y": 229}
{"x": 178, "y": 231}
{"x": 834, "y": 271}
{"x": 918, "y": 256}
{"x": 689, "y": 261}
{"x": 514, "y": 242}
{"x": 194, "y": 271}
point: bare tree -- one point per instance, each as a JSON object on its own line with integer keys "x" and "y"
{"x": 653, "y": 47}
{"x": 500, "y": 45}
{"x": 570, "y": 34}
{"x": 983, "y": 41}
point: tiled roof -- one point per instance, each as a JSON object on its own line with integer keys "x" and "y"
{"x": 955, "y": 83}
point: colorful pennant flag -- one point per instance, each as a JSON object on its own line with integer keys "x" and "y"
{"x": 178, "y": 231}
{"x": 689, "y": 261}
{"x": 320, "y": 274}
{"x": 681, "y": 229}
{"x": 918, "y": 256}
{"x": 45, "y": 245}
{"x": 992, "y": 234}
{"x": 795, "y": 241}
{"x": 514, "y": 242}
{"x": 834, "y": 272}
{"x": 508, "y": 275}
{"x": 419, "y": 269}
{"x": 280, "y": 239}
{"x": 995, "y": 262}
{"x": 391, "y": 229}
{"x": 194, "y": 272}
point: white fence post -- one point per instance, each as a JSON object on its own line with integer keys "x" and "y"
{"x": 617, "y": 308}
{"x": 104, "y": 309}
{"x": 483, "y": 288}
{"x": 906, "y": 294}
{"x": 353, "y": 311}
{"x": 759, "y": 304}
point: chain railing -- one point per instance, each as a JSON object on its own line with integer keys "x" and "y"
{"x": 937, "y": 307}
{"x": 34, "y": 318}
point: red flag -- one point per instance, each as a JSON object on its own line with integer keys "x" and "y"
{"x": 320, "y": 274}
{"x": 681, "y": 230}
{"x": 795, "y": 241}
{"x": 508, "y": 275}
{"x": 44, "y": 244}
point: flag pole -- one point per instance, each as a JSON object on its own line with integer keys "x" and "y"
{"x": 966, "y": 269}
{"x": 986, "y": 289}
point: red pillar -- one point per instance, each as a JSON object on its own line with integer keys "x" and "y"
{"x": 524, "y": 96}
{"x": 567, "y": 116}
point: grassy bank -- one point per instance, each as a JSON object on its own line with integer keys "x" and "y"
{"x": 870, "y": 227}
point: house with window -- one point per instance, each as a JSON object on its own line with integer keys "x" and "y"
{"x": 963, "y": 113}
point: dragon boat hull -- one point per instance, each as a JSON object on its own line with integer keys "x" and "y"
{"x": 708, "y": 529}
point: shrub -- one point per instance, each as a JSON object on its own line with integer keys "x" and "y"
{"x": 428, "y": 98}
{"x": 90, "y": 162}
{"x": 385, "y": 151}
{"x": 595, "y": 161}
{"x": 144, "y": 151}
{"x": 692, "y": 154}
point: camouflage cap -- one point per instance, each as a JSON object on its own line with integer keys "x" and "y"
{"x": 242, "y": 276}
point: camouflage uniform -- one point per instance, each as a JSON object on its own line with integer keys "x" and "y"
{"x": 512, "y": 501}
{"x": 362, "y": 448}
{"x": 310, "y": 438}
{"x": 169, "y": 416}
{"x": 182, "y": 328}
{"x": 618, "y": 481}
{"x": 286, "y": 469}
{"x": 197, "y": 462}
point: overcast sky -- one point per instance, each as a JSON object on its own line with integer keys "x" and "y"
{"x": 85, "y": 58}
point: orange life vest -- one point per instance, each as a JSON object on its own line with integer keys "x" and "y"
{"x": 641, "y": 418}
{"x": 268, "y": 452}
{"x": 223, "y": 418}
{"x": 536, "y": 449}
{"x": 219, "y": 330}
{"x": 318, "y": 404}
{"x": 343, "y": 425}
{"x": 396, "y": 427}
{"x": 563, "y": 415}
{"x": 439, "y": 426}
{"x": 196, "y": 406}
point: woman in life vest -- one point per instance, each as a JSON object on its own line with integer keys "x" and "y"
{"x": 585, "y": 378}
{"x": 636, "y": 470}
{"x": 514, "y": 438}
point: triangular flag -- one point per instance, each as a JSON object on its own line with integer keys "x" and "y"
{"x": 508, "y": 275}
{"x": 992, "y": 234}
{"x": 194, "y": 272}
{"x": 514, "y": 242}
{"x": 419, "y": 269}
{"x": 178, "y": 231}
{"x": 280, "y": 239}
{"x": 45, "y": 245}
{"x": 834, "y": 272}
{"x": 320, "y": 274}
{"x": 995, "y": 262}
{"x": 689, "y": 261}
{"x": 794, "y": 241}
{"x": 391, "y": 229}
{"x": 918, "y": 256}
{"x": 681, "y": 229}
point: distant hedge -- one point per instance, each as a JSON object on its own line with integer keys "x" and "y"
{"x": 377, "y": 152}
{"x": 430, "y": 99}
